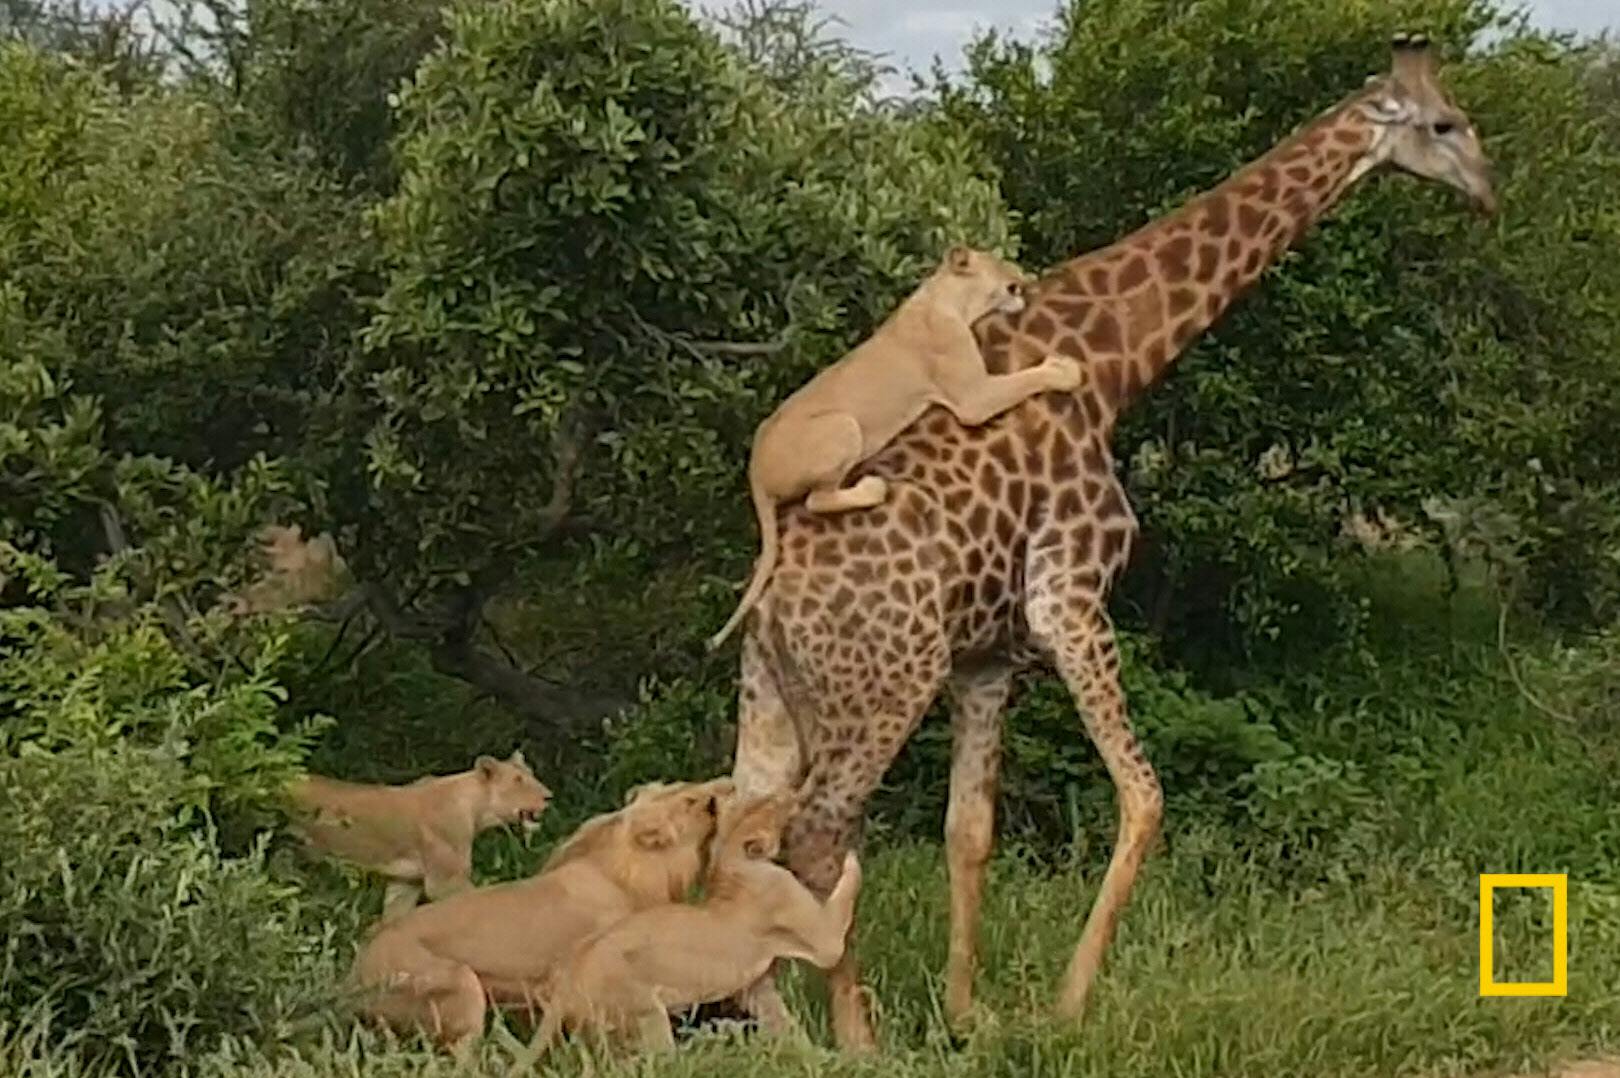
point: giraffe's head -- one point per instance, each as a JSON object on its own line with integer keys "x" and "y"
{"x": 1420, "y": 130}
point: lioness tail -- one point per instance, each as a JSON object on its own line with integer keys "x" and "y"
{"x": 765, "y": 511}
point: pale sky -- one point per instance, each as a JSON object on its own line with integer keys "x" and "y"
{"x": 912, "y": 32}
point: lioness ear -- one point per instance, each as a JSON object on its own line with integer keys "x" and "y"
{"x": 517, "y": 758}
{"x": 959, "y": 258}
{"x": 754, "y": 848}
{"x": 486, "y": 766}
{"x": 651, "y": 833}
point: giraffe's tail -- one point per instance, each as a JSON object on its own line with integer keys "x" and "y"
{"x": 765, "y": 511}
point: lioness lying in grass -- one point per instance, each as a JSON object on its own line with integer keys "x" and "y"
{"x": 632, "y": 973}
{"x": 419, "y": 835}
{"x": 438, "y": 967}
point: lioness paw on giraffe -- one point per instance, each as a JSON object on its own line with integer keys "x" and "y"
{"x": 923, "y": 354}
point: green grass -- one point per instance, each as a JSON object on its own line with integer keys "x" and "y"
{"x": 1217, "y": 971}
{"x": 1329, "y": 930}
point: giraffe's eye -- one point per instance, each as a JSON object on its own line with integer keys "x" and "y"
{"x": 1014, "y": 288}
{"x": 1444, "y": 127}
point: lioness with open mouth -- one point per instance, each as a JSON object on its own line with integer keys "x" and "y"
{"x": 631, "y": 974}
{"x": 439, "y": 966}
{"x": 420, "y": 834}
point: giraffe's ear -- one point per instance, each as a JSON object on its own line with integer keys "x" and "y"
{"x": 959, "y": 259}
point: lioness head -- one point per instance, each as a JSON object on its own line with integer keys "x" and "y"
{"x": 980, "y": 283}
{"x": 511, "y": 792}
{"x": 751, "y": 828}
{"x": 665, "y": 815}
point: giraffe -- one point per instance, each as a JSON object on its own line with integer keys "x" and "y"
{"x": 998, "y": 545}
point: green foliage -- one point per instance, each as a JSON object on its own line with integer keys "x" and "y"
{"x": 321, "y": 72}
{"x": 191, "y": 280}
{"x": 142, "y": 745}
{"x": 1403, "y": 352}
{"x": 589, "y": 191}
{"x": 126, "y": 925}
{"x": 45, "y": 101}
{"x": 124, "y": 683}
{"x": 136, "y": 910}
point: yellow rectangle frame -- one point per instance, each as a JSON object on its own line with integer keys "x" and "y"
{"x": 1559, "y": 883}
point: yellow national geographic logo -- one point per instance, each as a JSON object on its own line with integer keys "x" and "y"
{"x": 1559, "y": 883}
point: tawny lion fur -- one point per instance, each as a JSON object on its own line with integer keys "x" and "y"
{"x": 627, "y": 977}
{"x": 420, "y": 834}
{"x": 923, "y": 354}
{"x": 299, "y": 572}
{"x": 440, "y": 966}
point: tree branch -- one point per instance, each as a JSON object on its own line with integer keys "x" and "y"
{"x": 708, "y": 349}
{"x": 737, "y": 348}
{"x": 451, "y": 651}
{"x": 566, "y": 449}
{"x": 112, "y": 529}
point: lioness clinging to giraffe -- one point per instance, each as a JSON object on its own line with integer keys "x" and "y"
{"x": 998, "y": 544}
{"x": 922, "y": 355}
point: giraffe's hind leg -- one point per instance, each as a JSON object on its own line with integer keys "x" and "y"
{"x": 768, "y": 760}
{"x": 862, "y": 720}
{"x": 977, "y": 702}
{"x": 1069, "y": 621}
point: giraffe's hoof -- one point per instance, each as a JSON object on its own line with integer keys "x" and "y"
{"x": 852, "y": 1023}
{"x": 964, "y": 1021}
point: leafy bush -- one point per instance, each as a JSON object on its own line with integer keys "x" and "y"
{"x": 320, "y": 73}
{"x": 194, "y": 282}
{"x": 142, "y": 747}
{"x": 136, "y": 909}
{"x": 124, "y": 921}
{"x": 591, "y": 193}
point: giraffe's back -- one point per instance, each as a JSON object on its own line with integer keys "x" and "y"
{"x": 974, "y": 514}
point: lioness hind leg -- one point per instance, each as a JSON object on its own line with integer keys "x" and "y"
{"x": 652, "y": 1028}
{"x": 826, "y": 449}
{"x": 869, "y": 491}
{"x": 457, "y": 1013}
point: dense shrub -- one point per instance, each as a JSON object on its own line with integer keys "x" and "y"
{"x": 193, "y": 282}
{"x": 142, "y": 745}
{"x": 137, "y": 914}
{"x": 126, "y": 924}
{"x": 320, "y": 73}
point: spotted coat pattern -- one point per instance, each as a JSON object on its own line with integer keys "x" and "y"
{"x": 996, "y": 550}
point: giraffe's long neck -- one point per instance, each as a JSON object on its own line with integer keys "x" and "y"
{"x": 1133, "y": 307}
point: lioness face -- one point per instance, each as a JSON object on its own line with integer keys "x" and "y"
{"x": 511, "y": 792}
{"x": 679, "y": 815}
{"x": 994, "y": 284}
{"x": 753, "y": 829}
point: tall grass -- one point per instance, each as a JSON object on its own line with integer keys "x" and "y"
{"x": 1326, "y": 925}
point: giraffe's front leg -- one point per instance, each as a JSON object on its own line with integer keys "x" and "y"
{"x": 1068, "y": 620}
{"x": 978, "y": 700}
